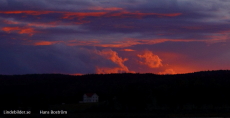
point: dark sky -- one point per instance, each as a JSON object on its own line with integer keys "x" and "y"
{"x": 102, "y": 36}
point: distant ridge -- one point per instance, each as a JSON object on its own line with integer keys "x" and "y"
{"x": 59, "y": 74}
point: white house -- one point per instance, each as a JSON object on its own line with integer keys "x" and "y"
{"x": 90, "y": 97}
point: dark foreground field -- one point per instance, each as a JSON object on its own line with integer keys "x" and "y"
{"x": 129, "y": 95}
{"x": 121, "y": 115}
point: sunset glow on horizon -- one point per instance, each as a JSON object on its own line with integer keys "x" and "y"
{"x": 79, "y": 37}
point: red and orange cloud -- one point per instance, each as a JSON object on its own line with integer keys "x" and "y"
{"x": 149, "y": 59}
{"x": 106, "y": 9}
{"x": 127, "y": 14}
{"x": 128, "y": 42}
{"x": 45, "y": 43}
{"x": 19, "y": 30}
{"x": 128, "y": 50}
{"x": 168, "y": 71}
{"x": 27, "y": 12}
{"x": 113, "y": 56}
{"x": 81, "y": 15}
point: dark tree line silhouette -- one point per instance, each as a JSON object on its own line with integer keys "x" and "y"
{"x": 206, "y": 91}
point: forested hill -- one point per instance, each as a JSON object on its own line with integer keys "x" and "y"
{"x": 205, "y": 78}
{"x": 167, "y": 89}
{"x": 67, "y": 84}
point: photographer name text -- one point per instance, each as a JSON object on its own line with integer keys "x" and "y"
{"x": 53, "y": 112}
